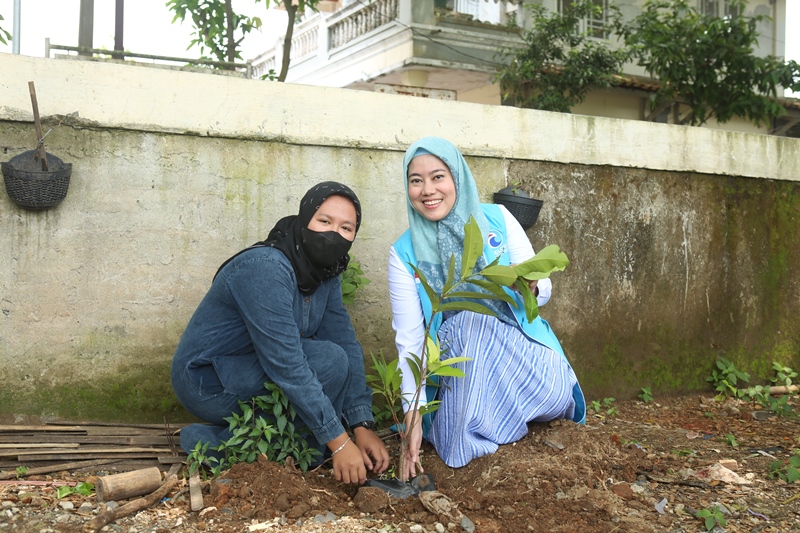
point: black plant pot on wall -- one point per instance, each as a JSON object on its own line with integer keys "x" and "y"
{"x": 524, "y": 208}
{"x": 31, "y": 187}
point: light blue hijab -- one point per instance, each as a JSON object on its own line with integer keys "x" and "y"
{"x": 435, "y": 242}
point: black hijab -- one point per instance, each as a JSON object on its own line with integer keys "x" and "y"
{"x": 287, "y": 237}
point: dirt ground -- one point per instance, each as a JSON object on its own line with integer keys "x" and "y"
{"x": 649, "y": 468}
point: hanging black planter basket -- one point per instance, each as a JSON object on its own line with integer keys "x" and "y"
{"x": 31, "y": 187}
{"x": 524, "y": 208}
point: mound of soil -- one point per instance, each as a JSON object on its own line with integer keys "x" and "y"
{"x": 646, "y": 468}
{"x": 649, "y": 468}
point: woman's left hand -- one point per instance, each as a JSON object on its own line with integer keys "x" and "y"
{"x": 531, "y": 285}
{"x": 533, "y": 288}
{"x": 376, "y": 457}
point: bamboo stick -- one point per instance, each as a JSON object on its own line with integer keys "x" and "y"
{"x": 38, "y": 124}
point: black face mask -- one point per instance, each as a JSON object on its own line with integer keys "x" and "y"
{"x": 324, "y": 249}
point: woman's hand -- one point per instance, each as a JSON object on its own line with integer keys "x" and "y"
{"x": 411, "y": 459}
{"x": 348, "y": 464}
{"x": 373, "y": 451}
{"x": 531, "y": 285}
{"x": 533, "y": 288}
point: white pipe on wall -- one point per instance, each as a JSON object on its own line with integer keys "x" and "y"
{"x": 16, "y": 35}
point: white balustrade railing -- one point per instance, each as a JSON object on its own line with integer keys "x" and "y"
{"x": 264, "y": 65}
{"x": 359, "y": 18}
{"x": 362, "y": 21}
{"x": 305, "y": 43}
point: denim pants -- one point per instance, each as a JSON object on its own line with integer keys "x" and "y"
{"x": 213, "y": 392}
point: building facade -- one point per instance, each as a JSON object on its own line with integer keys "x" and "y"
{"x": 451, "y": 49}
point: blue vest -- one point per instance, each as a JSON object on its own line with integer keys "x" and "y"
{"x": 496, "y": 246}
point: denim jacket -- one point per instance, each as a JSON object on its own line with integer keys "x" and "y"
{"x": 254, "y": 307}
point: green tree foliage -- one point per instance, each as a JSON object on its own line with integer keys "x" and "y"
{"x": 220, "y": 30}
{"x": 708, "y": 63}
{"x": 4, "y": 35}
{"x": 558, "y": 65}
{"x": 705, "y": 63}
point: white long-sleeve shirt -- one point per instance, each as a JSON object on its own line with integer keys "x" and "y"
{"x": 408, "y": 320}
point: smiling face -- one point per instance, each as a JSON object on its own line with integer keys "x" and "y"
{"x": 336, "y": 213}
{"x": 431, "y": 188}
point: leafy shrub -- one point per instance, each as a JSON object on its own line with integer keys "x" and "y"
{"x": 605, "y": 406}
{"x": 712, "y": 517}
{"x": 254, "y": 434}
{"x": 788, "y": 471}
{"x": 725, "y": 378}
{"x": 646, "y": 395}
{"x": 352, "y": 280}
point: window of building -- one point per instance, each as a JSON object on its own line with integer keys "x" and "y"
{"x": 593, "y": 26}
{"x": 718, "y": 8}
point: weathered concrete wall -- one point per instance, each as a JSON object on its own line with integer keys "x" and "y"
{"x": 669, "y": 271}
{"x": 681, "y": 239}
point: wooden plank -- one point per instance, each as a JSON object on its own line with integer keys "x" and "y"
{"x": 120, "y": 448}
{"x": 14, "y": 429}
{"x": 133, "y": 464}
{"x": 58, "y": 467}
{"x": 41, "y": 445}
{"x": 152, "y": 440}
{"x": 17, "y": 452}
{"x": 110, "y": 449}
{"x": 160, "y": 427}
{"x": 75, "y": 456}
{"x": 172, "y": 460}
{"x": 116, "y": 465}
{"x": 122, "y": 431}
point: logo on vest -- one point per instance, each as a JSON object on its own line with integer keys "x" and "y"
{"x": 495, "y": 240}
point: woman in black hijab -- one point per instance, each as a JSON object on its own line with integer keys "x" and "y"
{"x": 274, "y": 313}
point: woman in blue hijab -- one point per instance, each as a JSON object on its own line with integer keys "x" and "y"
{"x": 517, "y": 372}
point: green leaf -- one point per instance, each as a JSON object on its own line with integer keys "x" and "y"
{"x": 473, "y": 295}
{"x": 495, "y": 289}
{"x": 467, "y": 306}
{"x": 84, "y": 488}
{"x": 528, "y": 299}
{"x": 473, "y": 246}
{"x": 432, "y": 349}
{"x": 451, "y": 275}
{"x": 430, "y": 407}
{"x": 449, "y": 371}
{"x": 500, "y": 274}
{"x": 455, "y": 360}
{"x": 549, "y": 259}
{"x": 415, "y": 364}
{"x": 434, "y": 298}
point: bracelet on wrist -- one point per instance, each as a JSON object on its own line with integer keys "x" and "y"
{"x": 340, "y": 448}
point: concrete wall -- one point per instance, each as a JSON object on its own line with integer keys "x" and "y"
{"x": 682, "y": 240}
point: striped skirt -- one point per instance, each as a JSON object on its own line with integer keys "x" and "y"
{"x": 509, "y": 382}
